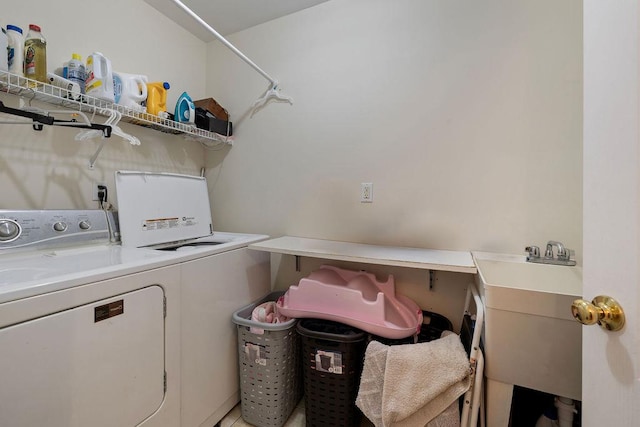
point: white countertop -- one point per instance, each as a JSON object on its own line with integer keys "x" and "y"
{"x": 427, "y": 259}
{"x": 31, "y": 273}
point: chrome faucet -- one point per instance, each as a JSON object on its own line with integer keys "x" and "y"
{"x": 563, "y": 255}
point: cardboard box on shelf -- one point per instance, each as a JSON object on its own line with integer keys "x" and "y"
{"x": 210, "y": 105}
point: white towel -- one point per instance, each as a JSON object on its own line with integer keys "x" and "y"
{"x": 369, "y": 398}
{"x": 410, "y": 385}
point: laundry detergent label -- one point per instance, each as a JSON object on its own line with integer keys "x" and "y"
{"x": 329, "y": 361}
{"x": 255, "y": 353}
{"x": 168, "y": 223}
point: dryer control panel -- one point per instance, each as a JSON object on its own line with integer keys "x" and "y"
{"x": 45, "y": 228}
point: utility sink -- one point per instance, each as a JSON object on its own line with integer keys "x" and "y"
{"x": 531, "y": 338}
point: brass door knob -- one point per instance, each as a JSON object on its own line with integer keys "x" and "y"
{"x": 603, "y": 310}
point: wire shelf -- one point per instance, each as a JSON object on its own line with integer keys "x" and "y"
{"x": 35, "y": 90}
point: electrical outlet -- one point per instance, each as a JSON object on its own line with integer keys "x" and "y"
{"x": 366, "y": 192}
{"x": 95, "y": 189}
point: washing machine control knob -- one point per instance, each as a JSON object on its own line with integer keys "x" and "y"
{"x": 9, "y": 230}
{"x": 60, "y": 226}
{"x": 84, "y": 225}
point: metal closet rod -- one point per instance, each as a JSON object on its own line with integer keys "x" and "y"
{"x": 226, "y": 42}
{"x": 42, "y": 119}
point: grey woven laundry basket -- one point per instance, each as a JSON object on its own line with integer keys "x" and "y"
{"x": 269, "y": 367}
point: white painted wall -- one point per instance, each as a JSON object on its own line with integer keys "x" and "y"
{"x": 48, "y": 169}
{"x": 466, "y": 116}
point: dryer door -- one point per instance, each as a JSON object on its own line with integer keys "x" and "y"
{"x": 101, "y": 364}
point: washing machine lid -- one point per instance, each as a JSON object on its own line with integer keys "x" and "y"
{"x": 156, "y": 209}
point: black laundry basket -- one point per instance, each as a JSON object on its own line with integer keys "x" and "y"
{"x": 332, "y": 358}
{"x": 433, "y": 325}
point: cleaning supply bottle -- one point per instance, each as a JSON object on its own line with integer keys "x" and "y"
{"x": 15, "y": 50}
{"x": 4, "y": 47}
{"x": 76, "y": 71}
{"x": 130, "y": 90}
{"x": 35, "y": 55}
{"x": 70, "y": 90}
{"x": 185, "y": 111}
{"x": 157, "y": 98}
{"x": 99, "y": 82}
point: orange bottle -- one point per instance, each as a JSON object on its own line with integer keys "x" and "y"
{"x": 157, "y": 98}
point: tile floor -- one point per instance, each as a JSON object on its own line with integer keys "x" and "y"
{"x": 234, "y": 418}
{"x": 297, "y": 418}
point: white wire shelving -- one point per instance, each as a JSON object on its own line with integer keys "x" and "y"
{"x": 35, "y": 90}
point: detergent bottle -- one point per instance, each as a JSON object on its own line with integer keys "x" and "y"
{"x": 99, "y": 83}
{"x": 185, "y": 111}
{"x": 4, "y": 47}
{"x": 76, "y": 71}
{"x": 35, "y": 55}
{"x": 130, "y": 90}
{"x": 157, "y": 98}
{"x": 15, "y": 52}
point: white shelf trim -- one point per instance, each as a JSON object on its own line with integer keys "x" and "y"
{"x": 425, "y": 259}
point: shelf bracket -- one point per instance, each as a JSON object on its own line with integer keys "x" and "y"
{"x": 431, "y": 279}
{"x": 297, "y": 263}
{"x": 92, "y": 160}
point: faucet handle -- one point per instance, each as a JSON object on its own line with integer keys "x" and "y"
{"x": 533, "y": 251}
{"x": 566, "y": 254}
{"x": 548, "y": 253}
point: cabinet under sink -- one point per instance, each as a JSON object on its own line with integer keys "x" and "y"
{"x": 530, "y": 337}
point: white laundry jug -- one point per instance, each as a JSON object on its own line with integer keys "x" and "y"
{"x": 15, "y": 50}
{"x": 130, "y": 90}
{"x": 99, "y": 83}
{"x": 4, "y": 47}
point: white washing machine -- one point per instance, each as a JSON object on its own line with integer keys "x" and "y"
{"x": 219, "y": 275}
{"x": 84, "y": 338}
{"x": 213, "y": 288}
{"x": 97, "y": 333}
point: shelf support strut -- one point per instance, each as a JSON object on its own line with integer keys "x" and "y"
{"x": 226, "y": 42}
{"x": 272, "y": 93}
